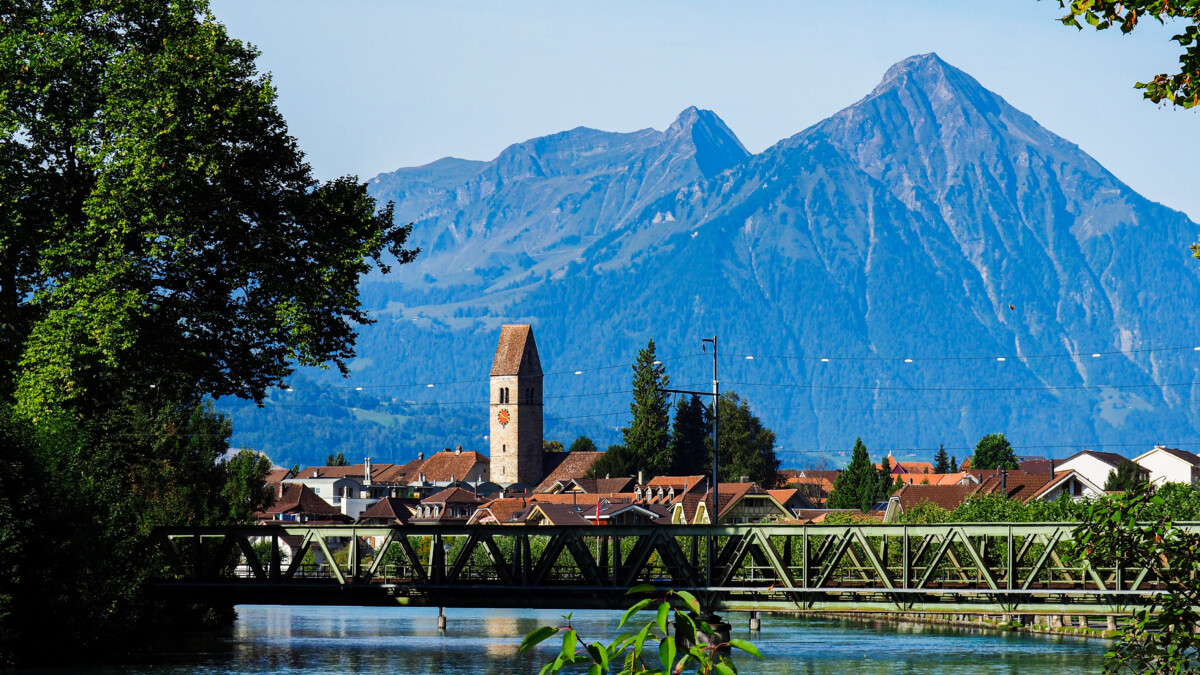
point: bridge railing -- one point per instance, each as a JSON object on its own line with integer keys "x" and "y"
{"x": 906, "y": 567}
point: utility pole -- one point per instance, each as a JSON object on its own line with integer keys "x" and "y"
{"x": 716, "y": 394}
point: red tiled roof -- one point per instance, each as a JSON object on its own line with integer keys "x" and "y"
{"x": 1016, "y": 485}
{"x": 570, "y": 465}
{"x": 500, "y": 510}
{"x": 516, "y": 353}
{"x": 278, "y": 475}
{"x": 452, "y": 495}
{"x": 298, "y": 498}
{"x": 560, "y": 514}
{"x": 389, "y": 508}
{"x": 948, "y": 497}
{"x": 684, "y": 482}
{"x": 449, "y": 465}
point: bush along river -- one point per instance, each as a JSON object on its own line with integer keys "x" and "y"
{"x": 296, "y": 639}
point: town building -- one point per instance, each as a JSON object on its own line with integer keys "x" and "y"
{"x": 515, "y": 426}
{"x": 1170, "y": 465}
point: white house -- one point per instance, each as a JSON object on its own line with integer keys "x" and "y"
{"x": 1094, "y": 466}
{"x": 1071, "y": 483}
{"x": 1170, "y": 465}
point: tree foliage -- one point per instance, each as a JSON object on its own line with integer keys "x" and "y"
{"x": 552, "y": 446}
{"x": 690, "y": 453}
{"x": 616, "y": 461}
{"x": 647, "y": 438}
{"x": 583, "y": 444}
{"x": 941, "y": 461}
{"x": 337, "y": 460}
{"x": 994, "y": 452}
{"x": 1181, "y": 88}
{"x": 158, "y": 225}
{"x": 1125, "y": 477}
{"x": 1161, "y": 636}
{"x": 861, "y": 485}
{"x": 747, "y": 447}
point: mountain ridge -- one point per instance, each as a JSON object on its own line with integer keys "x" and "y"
{"x": 930, "y": 219}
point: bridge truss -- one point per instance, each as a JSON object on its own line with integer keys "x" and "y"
{"x": 964, "y": 568}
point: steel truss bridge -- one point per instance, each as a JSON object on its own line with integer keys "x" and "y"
{"x": 964, "y": 568}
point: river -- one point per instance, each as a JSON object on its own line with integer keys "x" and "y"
{"x": 406, "y": 640}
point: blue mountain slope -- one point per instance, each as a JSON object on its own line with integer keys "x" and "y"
{"x": 904, "y": 226}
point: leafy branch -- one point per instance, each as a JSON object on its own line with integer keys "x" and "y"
{"x": 627, "y": 652}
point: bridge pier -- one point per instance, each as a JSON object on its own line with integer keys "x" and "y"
{"x": 755, "y": 622}
{"x": 442, "y": 619}
{"x": 720, "y": 635}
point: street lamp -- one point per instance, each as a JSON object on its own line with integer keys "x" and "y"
{"x": 716, "y": 394}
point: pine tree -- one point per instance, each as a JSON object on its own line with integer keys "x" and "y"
{"x": 647, "y": 438}
{"x": 994, "y": 452}
{"x": 953, "y": 464}
{"x": 941, "y": 462}
{"x": 883, "y": 488}
{"x": 689, "y": 452}
{"x": 616, "y": 462}
{"x": 857, "y": 484}
{"x": 1125, "y": 477}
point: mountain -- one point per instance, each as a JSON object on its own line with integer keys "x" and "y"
{"x": 929, "y": 221}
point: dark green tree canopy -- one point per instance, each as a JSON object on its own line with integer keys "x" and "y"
{"x": 994, "y": 452}
{"x": 690, "y": 454}
{"x": 552, "y": 446}
{"x": 941, "y": 462}
{"x": 859, "y": 486}
{"x": 583, "y": 444}
{"x": 747, "y": 447}
{"x": 647, "y": 438}
{"x": 616, "y": 462}
{"x": 158, "y": 225}
{"x": 1125, "y": 477}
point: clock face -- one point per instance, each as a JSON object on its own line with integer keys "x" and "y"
{"x": 502, "y": 417}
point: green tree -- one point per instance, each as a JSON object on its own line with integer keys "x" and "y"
{"x": 647, "y": 438}
{"x": 617, "y": 461}
{"x": 1181, "y": 88}
{"x": 583, "y": 444}
{"x": 857, "y": 486}
{"x": 690, "y": 442}
{"x": 337, "y": 460}
{"x": 245, "y": 491}
{"x": 953, "y": 464}
{"x": 1123, "y": 530}
{"x": 941, "y": 462}
{"x": 884, "y": 482}
{"x": 1124, "y": 477}
{"x": 158, "y": 225}
{"x": 552, "y": 446}
{"x": 994, "y": 452}
{"x": 747, "y": 447}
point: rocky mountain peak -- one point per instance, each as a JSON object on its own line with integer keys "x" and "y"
{"x": 717, "y": 147}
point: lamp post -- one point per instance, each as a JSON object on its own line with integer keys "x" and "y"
{"x": 716, "y": 394}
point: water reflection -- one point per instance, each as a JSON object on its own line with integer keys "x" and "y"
{"x": 406, "y": 640}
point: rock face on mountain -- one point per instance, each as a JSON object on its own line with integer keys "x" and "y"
{"x": 930, "y": 221}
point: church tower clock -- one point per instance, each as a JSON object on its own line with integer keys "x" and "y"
{"x": 516, "y": 409}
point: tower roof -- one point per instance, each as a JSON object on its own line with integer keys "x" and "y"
{"x": 517, "y": 352}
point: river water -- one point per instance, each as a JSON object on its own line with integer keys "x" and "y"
{"x": 406, "y": 640}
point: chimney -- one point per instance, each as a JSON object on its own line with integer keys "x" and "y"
{"x": 445, "y": 449}
{"x": 641, "y": 478}
{"x": 744, "y": 479}
{"x": 1004, "y": 481}
{"x": 368, "y": 472}
{"x": 1051, "y": 467}
{"x": 316, "y": 473}
{"x": 458, "y": 449}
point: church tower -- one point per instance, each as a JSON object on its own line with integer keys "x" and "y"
{"x": 516, "y": 409}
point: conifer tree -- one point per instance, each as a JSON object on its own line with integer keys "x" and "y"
{"x": 953, "y": 464}
{"x": 857, "y": 484}
{"x": 648, "y": 438}
{"x": 941, "y": 462}
{"x": 583, "y": 444}
{"x": 689, "y": 452}
{"x": 1125, "y": 477}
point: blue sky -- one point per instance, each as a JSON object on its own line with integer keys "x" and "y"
{"x": 372, "y": 86}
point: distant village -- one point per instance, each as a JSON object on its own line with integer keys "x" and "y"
{"x": 518, "y": 483}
